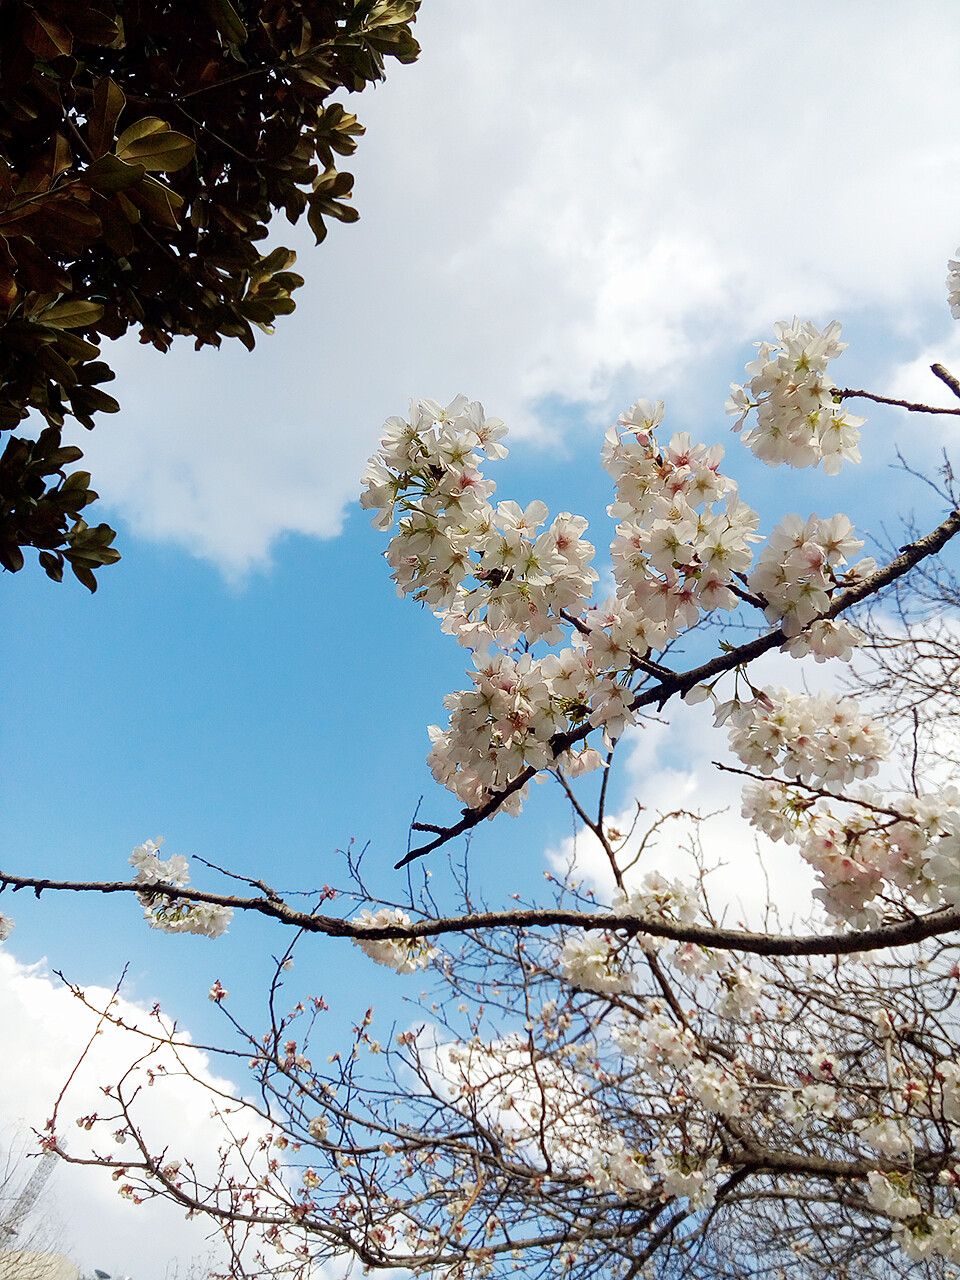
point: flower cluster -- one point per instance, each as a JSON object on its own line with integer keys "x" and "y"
{"x": 813, "y": 1101}
{"x": 169, "y": 912}
{"x": 716, "y": 1088}
{"x": 659, "y": 1043}
{"x": 799, "y": 417}
{"x": 796, "y": 573}
{"x": 886, "y": 1136}
{"x": 658, "y": 898}
{"x": 676, "y": 551}
{"x": 929, "y": 1237}
{"x": 867, "y": 844}
{"x": 740, "y": 991}
{"x": 887, "y": 1194}
{"x": 488, "y": 573}
{"x": 406, "y": 955}
{"x": 592, "y": 963}
{"x": 614, "y": 1167}
{"x": 820, "y": 739}
{"x": 507, "y": 720}
{"x": 698, "y": 1184}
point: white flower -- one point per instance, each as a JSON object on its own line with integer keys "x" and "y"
{"x": 180, "y": 916}
{"x": 799, "y": 422}
{"x": 948, "y": 1078}
{"x": 166, "y": 912}
{"x": 658, "y": 899}
{"x": 152, "y": 870}
{"x": 6, "y": 927}
{"x": 823, "y": 1064}
{"x": 615, "y": 1167}
{"x": 698, "y": 1184}
{"x": 663, "y": 1046}
{"x": 889, "y": 1198}
{"x": 813, "y": 1100}
{"x": 887, "y": 1137}
{"x": 819, "y": 739}
{"x": 715, "y": 1088}
{"x": 591, "y": 962}
{"x": 318, "y": 1128}
{"x": 741, "y": 990}
{"x": 405, "y": 955}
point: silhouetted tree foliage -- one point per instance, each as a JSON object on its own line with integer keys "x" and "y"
{"x": 144, "y": 146}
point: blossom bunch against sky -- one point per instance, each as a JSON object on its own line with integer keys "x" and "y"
{"x": 558, "y": 216}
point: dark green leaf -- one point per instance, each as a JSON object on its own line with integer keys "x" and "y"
{"x": 110, "y": 174}
{"x": 227, "y": 21}
{"x": 108, "y": 102}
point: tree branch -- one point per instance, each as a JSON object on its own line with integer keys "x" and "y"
{"x": 670, "y": 685}
{"x": 849, "y": 394}
{"x": 901, "y": 934}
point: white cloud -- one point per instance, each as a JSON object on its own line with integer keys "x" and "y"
{"x": 913, "y": 381}
{"x": 560, "y": 205}
{"x": 45, "y": 1033}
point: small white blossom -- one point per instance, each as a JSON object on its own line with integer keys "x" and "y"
{"x": 888, "y": 1198}
{"x": 592, "y": 962}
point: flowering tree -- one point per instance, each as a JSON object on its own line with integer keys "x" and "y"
{"x": 631, "y": 1088}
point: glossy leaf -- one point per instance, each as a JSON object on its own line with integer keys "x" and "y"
{"x": 73, "y": 314}
{"x": 110, "y": 174}
{"x": 108, "y": 102}
{"x": 92, "y": 243}
{"x": 227, "y": 21}
{"x": 156, "y": 147}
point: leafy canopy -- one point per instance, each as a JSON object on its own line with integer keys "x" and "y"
{"x": 144, "y": 147}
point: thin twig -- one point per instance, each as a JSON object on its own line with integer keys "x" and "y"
{"x": 848, "y": 394}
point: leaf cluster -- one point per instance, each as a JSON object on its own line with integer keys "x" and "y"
{"x": 144, "y": 147}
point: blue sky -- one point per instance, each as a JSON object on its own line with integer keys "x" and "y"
{"x": 555, "y": 220}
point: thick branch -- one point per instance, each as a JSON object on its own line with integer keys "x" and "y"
{"x": 903, "y": 933}
{"x": 947, "y": 378}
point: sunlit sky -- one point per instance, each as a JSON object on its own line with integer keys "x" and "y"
{"x": 562, "y": 208}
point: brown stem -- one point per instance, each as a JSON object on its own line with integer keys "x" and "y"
{"x": 946, "y": 377}
{"x": 847, "y": 394}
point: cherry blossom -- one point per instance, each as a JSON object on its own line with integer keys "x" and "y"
{"x": 171, "y": 913}
{"x": 800, "y": 421}
{"x": 404, "y": 955}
